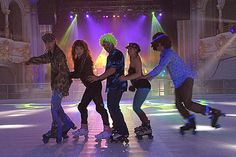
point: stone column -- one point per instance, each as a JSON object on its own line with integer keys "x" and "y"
{"x": 220, "y": 7}
{"x": 6, "y": 12}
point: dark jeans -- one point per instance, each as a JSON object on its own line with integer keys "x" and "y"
{"x": 93, "y": 92}
{"x": 183, "y": 99}
{"x": 113, "y": 104}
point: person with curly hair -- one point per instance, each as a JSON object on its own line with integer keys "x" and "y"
{"x": 183, "y": 79}
{"x": 83, "y": 68}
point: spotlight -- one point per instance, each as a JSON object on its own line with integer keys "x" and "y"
{"x": 71, "y": 16}
{"x": 107, "y": 16}
{"x": 103, "y": 16}
{"x": 114, "y": 16}
{"x": 118, "y": 16}
{"x": 87, "y": 15}
{"x": 232, "y": 29}
{"x": 160, "y": 14}
{"x": 153, "y": 13}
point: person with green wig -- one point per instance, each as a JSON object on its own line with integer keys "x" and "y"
{"x": 114, "y": 87}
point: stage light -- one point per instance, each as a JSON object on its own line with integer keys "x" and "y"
{"x": 114, "y": 15}
{"x": 153, "y": 13}
{"x": 160, "y": 14}
{"x": 107, "y": 16}
{"x": 232, "y": 29}
{"x": 87, "y": 15}
{"x": 118, "y": 16}
{"x": 71, "y": 16}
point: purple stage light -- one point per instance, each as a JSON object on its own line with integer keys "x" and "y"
{"x": 232, "y": 29}
{"x": 87, "y": 15}
{"x": 160, "y": 14}
{"x": 71, "y": 16}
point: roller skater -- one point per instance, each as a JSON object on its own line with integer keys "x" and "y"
{"x": 141, "y": 87}
{"x": 183, "y": 79}
{"x": 60, "y": 82}
{"x": 52, "y": 133}
{"x": 114, "y": 87}
{"x": 83, "y": 68}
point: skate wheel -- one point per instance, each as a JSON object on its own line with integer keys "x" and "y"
{"x": 181, "y": 131}
{"x": 194, "y": 132}
{"x": 126, "y": 141}
{"x": 45, "y": 140}
{"x": 139, "y": 137}
{"x": 65, "y": 137}
{"x": 98, "y": 140}
{"x": 150, "y": 136}
{"x": 217, "y": 126}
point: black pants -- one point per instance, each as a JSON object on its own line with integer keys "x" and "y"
{"x": 93, "y": 92}
{"x": 183, "y": 99}
{"x": 113, "y": 104}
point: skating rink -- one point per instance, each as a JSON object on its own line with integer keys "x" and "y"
{"x": 22, "y": 125}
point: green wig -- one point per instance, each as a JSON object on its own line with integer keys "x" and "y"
{"x": 109, "y": 37}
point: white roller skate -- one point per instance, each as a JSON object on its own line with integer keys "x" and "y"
{"x": 103, "y": 135}
{"x": 80, "y": 132}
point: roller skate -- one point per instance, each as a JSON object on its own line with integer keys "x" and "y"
{"x": 53, "y": 134}
{"x": 214, "y": 115}
{"x": 190, "y": 125}
{"x": 115, "y": 138}
{"x": 143, "y": 130}
{"x": 138, "y": 128}
{"x": 113, "y": 130}
{"x": 65, "y": 131}
{"x": 80, "y": 132}
{"x": 103, "y": 135}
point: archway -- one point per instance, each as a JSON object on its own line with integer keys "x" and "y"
{"x": 15, "y": 21}
{"x": 211, "y": 19}
{"x": 2, "y": 24}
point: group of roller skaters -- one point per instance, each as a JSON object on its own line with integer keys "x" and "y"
{"x": 116, "y": 84}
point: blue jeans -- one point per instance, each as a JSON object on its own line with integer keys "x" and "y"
{"x": 59, "y": 117}
{"x": 139, "y": 97}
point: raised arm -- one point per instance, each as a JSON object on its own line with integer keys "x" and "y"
{"x": 43, "y": 59}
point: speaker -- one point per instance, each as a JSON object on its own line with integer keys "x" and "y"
{"x": 181, "y": 9}
{"x": 46, "y": 10}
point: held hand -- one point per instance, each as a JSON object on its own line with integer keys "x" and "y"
{"x": 27, "y": 62}
{"x": 93, "y": 78}
{"x": 122, "y": 78}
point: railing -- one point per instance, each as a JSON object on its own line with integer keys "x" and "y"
{"x": 160, "y": 87}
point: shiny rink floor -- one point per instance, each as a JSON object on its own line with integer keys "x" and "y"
{"x": 21, "y": 127}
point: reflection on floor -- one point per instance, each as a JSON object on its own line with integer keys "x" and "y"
{"x": 21, "y": 127}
